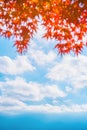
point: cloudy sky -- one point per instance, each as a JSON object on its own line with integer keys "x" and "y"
{"x": 41, "y": 80}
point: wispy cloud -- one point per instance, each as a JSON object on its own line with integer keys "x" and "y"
{"x": 42, "y": 58}
{"x": 15, "y": 66}
{"x": 29, "y": 91}
{"x": 14, "y": 106}
{"x": 41, "y": 53}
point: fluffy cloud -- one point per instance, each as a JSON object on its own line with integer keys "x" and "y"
{"x": 72, "y": 70}
{"x": 15, "y": 66}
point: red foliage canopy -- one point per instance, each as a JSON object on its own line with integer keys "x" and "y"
{"x": 64, "y": 20}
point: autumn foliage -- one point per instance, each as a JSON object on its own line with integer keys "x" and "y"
{"x": 64, "y": 20}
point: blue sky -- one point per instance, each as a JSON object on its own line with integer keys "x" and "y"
{"x": 41, "y": 89}
{"x": 41, "y": 80}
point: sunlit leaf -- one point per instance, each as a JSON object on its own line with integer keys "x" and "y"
{"x": 64, "y": 20}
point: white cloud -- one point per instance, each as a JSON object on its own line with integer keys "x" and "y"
{"x": 16, "y": 94}
{"x": 13, "y": 106}
{"x": 15, "y": 66}
{"x": 72, "y": 70}
{"x": 8, "y": 101}
{"x": 53, "y": 91}
{"x": 41, "y": 50}
{"x": 29, "y": 91}
{"x": 42, "y": 58}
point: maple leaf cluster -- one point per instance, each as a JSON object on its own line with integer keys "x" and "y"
{"x": 64, "y": 20}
